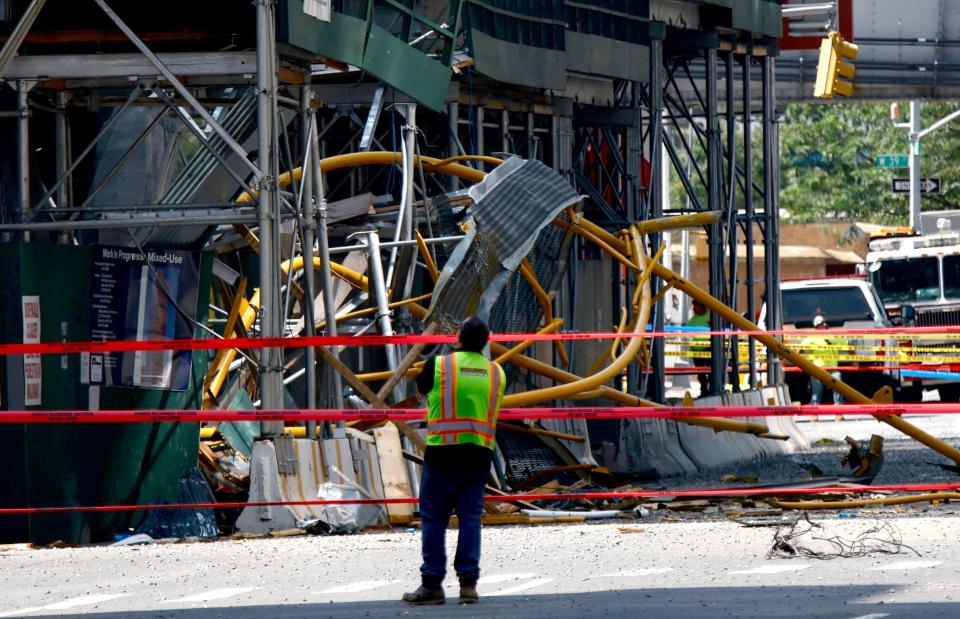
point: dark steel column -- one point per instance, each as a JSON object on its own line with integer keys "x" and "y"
{"x": 657, "y": 379}
{"x": 634, "y": 202}
{"x": 748, "y": 208}
{"x": 714, "y": 231}
{"x": 732, "y": 212}
{"x": 771, "y": 209}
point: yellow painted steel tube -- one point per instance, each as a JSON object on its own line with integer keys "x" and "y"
{"x": 677, "y": 222}
{"x": 483, "y": 158}
{"x": 588, "y": 383}
{"x": 427, "y": 258}
{"x": 610, "y": 352}
{"x": 898, "y": 500}
{"x": 372, "y": 310}
{"x": 546, "y": 304}
{"x": 785, "y": 352}
{"x": 608, "y": 393}
{"x": 543, "y": 369}
{"x": 551, "y": 327}
{"x": 616, "y": 251}
{"x": 430, "y": 164}
{"x": 221, "y": 362}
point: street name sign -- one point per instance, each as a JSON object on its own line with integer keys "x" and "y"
{"x": 927, "y": 185}
{"x": 893, "y": 161}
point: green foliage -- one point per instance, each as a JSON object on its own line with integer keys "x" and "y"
{"x": 827, "y": 162}
{"x": 828, "y": 157}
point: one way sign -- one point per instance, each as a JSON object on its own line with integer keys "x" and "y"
{"x": 927, "y": 185}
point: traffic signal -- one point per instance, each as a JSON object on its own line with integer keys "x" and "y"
{"x": 832, "y": 69}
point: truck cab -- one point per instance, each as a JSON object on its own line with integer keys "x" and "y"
{"x": 918, "y": 279}
{"x": 922, "y": 272}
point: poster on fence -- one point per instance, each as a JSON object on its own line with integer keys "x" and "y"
{"x": 32, "y": 366}
{"x": 143, "y": 295}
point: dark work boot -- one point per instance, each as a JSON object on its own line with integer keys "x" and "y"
{"x": 428, "y": 593}
{"x": 468, "y": 591}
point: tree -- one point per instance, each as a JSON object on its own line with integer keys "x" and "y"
{"x": 828, "y": 162}
{"x": 828, "y": 168}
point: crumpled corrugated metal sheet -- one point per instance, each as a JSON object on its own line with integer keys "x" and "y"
{"x": 511, "y": 207}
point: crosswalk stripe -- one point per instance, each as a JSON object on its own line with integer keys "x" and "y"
{"x": 773, "y": 569}
{"x": 85, "y": 600}
{"x": 637, "y": 573}
{"x": 490, "y": 580}
{"x": 905, "y": 565}
{"x": 22, "y": 611}
{"x": 213, "y": 594}
{"x": 521, "y": 587}
{"x": 359, "y": 586}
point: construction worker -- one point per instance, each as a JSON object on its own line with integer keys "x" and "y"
{"x": 464, "y": 392}
{"x": 818, "y": 348}
{"x": 701, "y": 319}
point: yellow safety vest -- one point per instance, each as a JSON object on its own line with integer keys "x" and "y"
{"x": 700, "y": 343}
{"x": 462, "y": 407}
{"x": 816, "y": 348}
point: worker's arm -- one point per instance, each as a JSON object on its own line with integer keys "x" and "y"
{"x": 425, "y": 378}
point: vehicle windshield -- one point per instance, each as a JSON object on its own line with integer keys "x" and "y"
{"x": 951, "y": 277}
{"x": 907, "y": 280}
{"x": 836, "y": 305}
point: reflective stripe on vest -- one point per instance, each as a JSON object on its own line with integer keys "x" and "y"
{"x": 494, "y": 388}
{"x": 463, "y": 425}
{"x": 448, "y": 380}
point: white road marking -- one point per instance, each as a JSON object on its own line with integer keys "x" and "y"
{"x": 521, "y": 587}
{"x": 213, "y": 594}
{"x": 905, "y": 565}
{"x": 452, "y": 586}
{"x": 357, "y": 587}
{"x": 489, "y": 580}
{"x": 773, "y": 569}
{"x": 873, "y": 616}
{"x": 85, "y": 600}
{"x": 22, "y": 611}
{"x": 637, "y": 573}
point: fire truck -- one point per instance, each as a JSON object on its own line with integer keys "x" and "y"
{"x": 918, "y": 280}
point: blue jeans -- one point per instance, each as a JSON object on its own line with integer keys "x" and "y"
{"x": 442, "y": 493}
{"x": 817, "y": 390}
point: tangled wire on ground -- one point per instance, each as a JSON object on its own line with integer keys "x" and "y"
{"x": 805, "y": 538}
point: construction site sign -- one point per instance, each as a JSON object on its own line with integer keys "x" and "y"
{"x": 144, "y": 295}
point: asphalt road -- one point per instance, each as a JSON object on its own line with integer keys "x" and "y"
{"x": 610, "y": 569}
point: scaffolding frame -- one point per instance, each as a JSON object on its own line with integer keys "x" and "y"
{"x": 640, "y": 129}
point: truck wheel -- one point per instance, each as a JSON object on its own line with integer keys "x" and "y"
{"x": 949, "y": 393}
{"x": 908, "y": 394}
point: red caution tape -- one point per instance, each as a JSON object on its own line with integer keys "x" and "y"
{"x": 380, "y": 340}
{"x": 634, "y": 494}
{"x": 507, "y": 414}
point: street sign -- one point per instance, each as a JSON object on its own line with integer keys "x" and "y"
{"x": 893, "y": 161}
{"x": 927, "y": 185}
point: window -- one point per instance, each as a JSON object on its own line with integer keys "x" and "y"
{"x": 836, "y": 305}
{"x": 951, "y": 277}
{"x": 907, "y": 280}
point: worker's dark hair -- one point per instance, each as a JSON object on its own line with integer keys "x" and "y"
{"x": 473, "y": 335}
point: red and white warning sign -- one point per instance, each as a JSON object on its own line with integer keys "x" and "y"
{"x": 32, "y": 368}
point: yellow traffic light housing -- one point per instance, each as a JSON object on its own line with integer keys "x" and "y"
{"x": 832, "y": 70}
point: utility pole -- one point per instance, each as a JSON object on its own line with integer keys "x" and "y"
{"x": 916, "y": 134}
{"x": 915, "y": 166}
